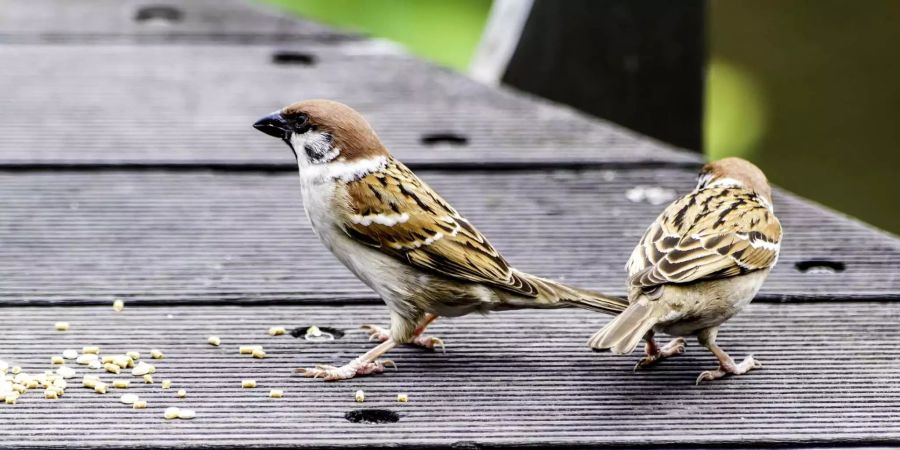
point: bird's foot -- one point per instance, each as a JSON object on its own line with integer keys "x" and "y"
{"x": 729, "y": 367}
{"x": 377, "y": 333}
{"x": 675, "y": 347}
{"x": 347, "y": 371}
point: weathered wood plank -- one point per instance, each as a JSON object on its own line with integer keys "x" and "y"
{"x": 146, "y": 21}
{"x": 508, "y": 378}
{"x": 194, "y": 105}
{"x": 218, "y": 236}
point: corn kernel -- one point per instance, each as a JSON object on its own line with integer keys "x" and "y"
{"x": 133, "y": 355}
{"x": 15, "y": 370}
{"x": 91, "y": 349}
{"x": 32, "y": 384}
{"x": 156, "y": 354}
{"x": 90, "y": 381}
{"x": 360, "y": 396}
{"x": 186, "y": 414}
{"x": 11, "y": 399}
{"x": 148, "y": 379}
{"x": 20, "y": 388}
{"x": 128, "y": 399}
{"x": 276, "y": 393}
{"x": 140, "y": 404}
{"x": 106, "y": 359}
{"x": 121, "y": 384}
{"x": 66, "y": 372}
{"x": 277, "y": 331}
{"x": 214, "y": 340}
{"x": 123, "y": 361}
{"x": 248, "y": 384}
{"x": 248, "y": 349}
{"x": 258, "y": 353}
{"x": 51, "y": 394}
{"x": 142, "y": 368}
{"x": 86, "y": 359}
{"x": 56, "y": 359}
{"x": 100, "y": 387}
{"x": 118, "y": 305}
{"x": 166, "y": 384}
{"x": 61, "y": 326}
{"x": 181, "y": 393}
{"x": 171, "y": 413}
{"x": 70, "y": 354}
{"x": 402, "y": 398}
{"x": 112, "y": 368}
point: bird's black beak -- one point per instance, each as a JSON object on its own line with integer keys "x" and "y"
{"x": 274, "y": 125}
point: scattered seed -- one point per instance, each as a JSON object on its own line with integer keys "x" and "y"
{"x": 140, "y": 404}
{"x": 66, "y": 372}
{"x": 121, "y": 384}
{"x": 148, "y": 379}
{"x": 181, "y": 393}
{"x": 276, "y": 393}
{"x": 95, "y": 364}
{"x": 118, "y": 305}
{"x": 166, "y": 384}
{"x": 112, "y": 368}
{"x": 156, "y": 354}
{"x": 248, "y": 349}
{"x": 15, "y": 370}
{"x": 70, "y": 354}
{"x": 51, "y": 394}
{"x": 402, "y": 398}
{"x": 248, "y": 384}
{"x": 134, "y": 355}
{"x": 259, "y": 353}
{"x": 86, "y": 359}
{"x": 128, "y": 399}
{"x": 313, "y": 331}
{"x": 100, "y": 387}
{"x": 11, "y": 399}
{"x": 186, "y": 414}
{"x": 142, "y": 369}
{"x": 61, "y": 326}
{"x": 214, "y": 340}
{"x": 56, "y": 359}
{"x": 360, "y": 396}
{"x": 171, "y": 413}
{"x": 90, "y": 381}
{"x": 91, "y": 349}
{"x": 277, "y": 331}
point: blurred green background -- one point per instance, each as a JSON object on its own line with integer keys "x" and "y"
{"x": 807, "y": 89}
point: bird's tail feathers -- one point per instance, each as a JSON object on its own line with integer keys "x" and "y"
{"x": 558, "y": 294}
{"x": 623, "y": 333}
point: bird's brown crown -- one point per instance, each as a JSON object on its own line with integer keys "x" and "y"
{"x": 740, "y": 170}
{"x": 350, "y": 132}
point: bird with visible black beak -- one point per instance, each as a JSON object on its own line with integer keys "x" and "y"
{"x": 700, "y": 263}
{"x": 399, "y": 236}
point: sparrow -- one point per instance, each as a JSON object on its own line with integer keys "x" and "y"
{"x": 700, "y": 263}
{"x": 399, "y": 237}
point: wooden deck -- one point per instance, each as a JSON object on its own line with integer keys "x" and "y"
{"x": 128, "y": 169}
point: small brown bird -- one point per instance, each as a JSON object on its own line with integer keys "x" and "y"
{"x": 399, "y": 236}
{"x": 700, "y": 263}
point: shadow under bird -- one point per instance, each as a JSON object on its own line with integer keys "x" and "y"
{"x": 700, "y": 263}
{"x": 399, "y": 236}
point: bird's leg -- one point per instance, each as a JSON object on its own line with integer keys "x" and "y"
{"x": 368, "y": 363}
{"x": 654, "y": 354}
{"x": 365, "y": 364}
{"x": 381, "y": 334}
{"x": 727, "y": 365}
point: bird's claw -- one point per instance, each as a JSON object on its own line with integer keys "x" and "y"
{"x": 430, "y": 342}
{"x": 376, "y": 333}
{"x": 675, "y": 347}
{"x": 731, "y": 368}
{"x": 347, "y": 371}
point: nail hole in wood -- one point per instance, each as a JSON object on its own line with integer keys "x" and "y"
{"x": 318, "y": 334}
{"x": 372, "y": 416}
{"x": 293, "y": 57}
{"x": 162, "y": 13}
{"x": 445, "y": 138}
{"x": 820, "y": 266}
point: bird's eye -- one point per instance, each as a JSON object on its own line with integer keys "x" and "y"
{"x": 300, "y": 123}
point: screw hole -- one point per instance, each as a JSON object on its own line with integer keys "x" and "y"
{"x": 317, "y": 334}
{"x": 820, "y": 266}
{"x": 445, "y": 138}
{"x": 162, "y": 13}
{"x": 293, "y": 57}
{"x": 372, "y": 416}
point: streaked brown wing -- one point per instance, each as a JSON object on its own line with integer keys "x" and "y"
{"x": 398, "y": 214}
{"x": 712, "y": 233}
